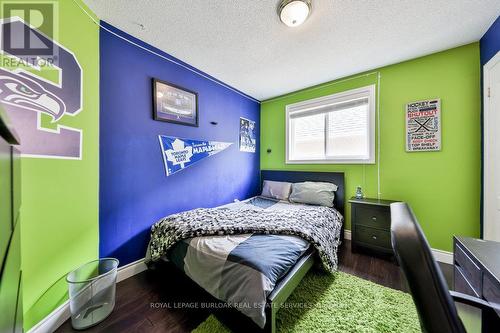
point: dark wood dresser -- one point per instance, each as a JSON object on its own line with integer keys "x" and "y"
{"x": 477, "y": 268}
{"x": 371, "y": 224}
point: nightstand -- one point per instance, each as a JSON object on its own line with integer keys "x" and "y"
{"x": 371, "y": 225}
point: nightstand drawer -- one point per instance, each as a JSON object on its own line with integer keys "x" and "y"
{"x": 371, "y": 224}
{"x": 373, "y": 216}
{"x": 372, "y": 236}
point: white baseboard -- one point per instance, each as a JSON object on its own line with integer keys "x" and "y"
{"x": 440, "y": 255}
{"x": 62, "y": 313}
{"x": 55, "y": 319}
{"x": 347, "y": 234}
{"x": 131, "y": 269}
{"x": 443, "y": 256}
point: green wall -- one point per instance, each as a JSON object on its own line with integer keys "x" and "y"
{"x": 443, "y": 188}
{"x": 59, "y": 213}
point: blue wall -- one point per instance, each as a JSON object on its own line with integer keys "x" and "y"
{"x": 134, "y": 191}
{"x": 490, "y": 42}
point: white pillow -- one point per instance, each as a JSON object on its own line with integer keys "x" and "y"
{"x": 276, "y": 190}
{"x": 313, "y": 193}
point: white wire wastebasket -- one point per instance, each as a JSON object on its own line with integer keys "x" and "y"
{"x": 92, "y": 289}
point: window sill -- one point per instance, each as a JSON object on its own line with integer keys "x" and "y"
{"x": 343, "y": 161}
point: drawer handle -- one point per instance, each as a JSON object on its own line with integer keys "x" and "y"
{"x": 374, "y": 237}
{"x": 374, "y": 218}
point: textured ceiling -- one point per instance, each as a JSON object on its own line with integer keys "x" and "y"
{"x": 243, "y": 43}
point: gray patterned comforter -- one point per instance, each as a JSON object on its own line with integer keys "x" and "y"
{"x": 238, "y": 252}
{"x": 320, "y": 226}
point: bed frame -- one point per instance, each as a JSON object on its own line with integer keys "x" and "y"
{"x": 291, "y": 280}
{"x": 287, "y": 284}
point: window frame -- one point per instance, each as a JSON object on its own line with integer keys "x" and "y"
{"x": 325, "y": 101}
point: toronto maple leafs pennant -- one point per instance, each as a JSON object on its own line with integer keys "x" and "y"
{"x": 179, "y": 153}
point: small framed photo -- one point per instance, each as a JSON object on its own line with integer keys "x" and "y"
{"x": 174, "y": 104}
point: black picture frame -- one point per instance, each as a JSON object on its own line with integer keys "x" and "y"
{"x": 176, "y": 112}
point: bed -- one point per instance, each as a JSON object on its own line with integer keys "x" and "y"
{"x": 252, "y": 254}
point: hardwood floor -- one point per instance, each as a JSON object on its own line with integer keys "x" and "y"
{"x": 379, "y": 269}
{"x": 165, "y": 301}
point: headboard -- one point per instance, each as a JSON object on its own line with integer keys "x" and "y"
{"x": 301, "y": 176}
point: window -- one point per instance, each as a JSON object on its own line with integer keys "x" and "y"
{"x": 338, "y": 128}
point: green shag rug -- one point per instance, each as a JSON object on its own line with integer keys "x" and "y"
{"x": 339, "y": 303}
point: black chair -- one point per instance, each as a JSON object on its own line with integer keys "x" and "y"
{"x": 435, "y": 303}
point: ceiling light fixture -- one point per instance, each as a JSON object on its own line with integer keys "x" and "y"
{"x": 294, "y": 12}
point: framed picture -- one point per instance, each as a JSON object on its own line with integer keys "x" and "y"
{"x": 423, "y": 125}
{"x": 248, "y": 137}
{"x": 174, "y": 104}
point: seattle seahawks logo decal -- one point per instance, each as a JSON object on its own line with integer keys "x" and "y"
{"x": 26, "y": 97}
{"x": 30, "y": 95}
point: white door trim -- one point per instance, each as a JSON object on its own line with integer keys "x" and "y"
{"x": 486, "y": 111}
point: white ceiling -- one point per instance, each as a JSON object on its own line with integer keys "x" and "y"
{"x": 243, "y": 43}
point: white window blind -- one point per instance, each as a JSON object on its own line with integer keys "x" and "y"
{"x": 334, "y": 129}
